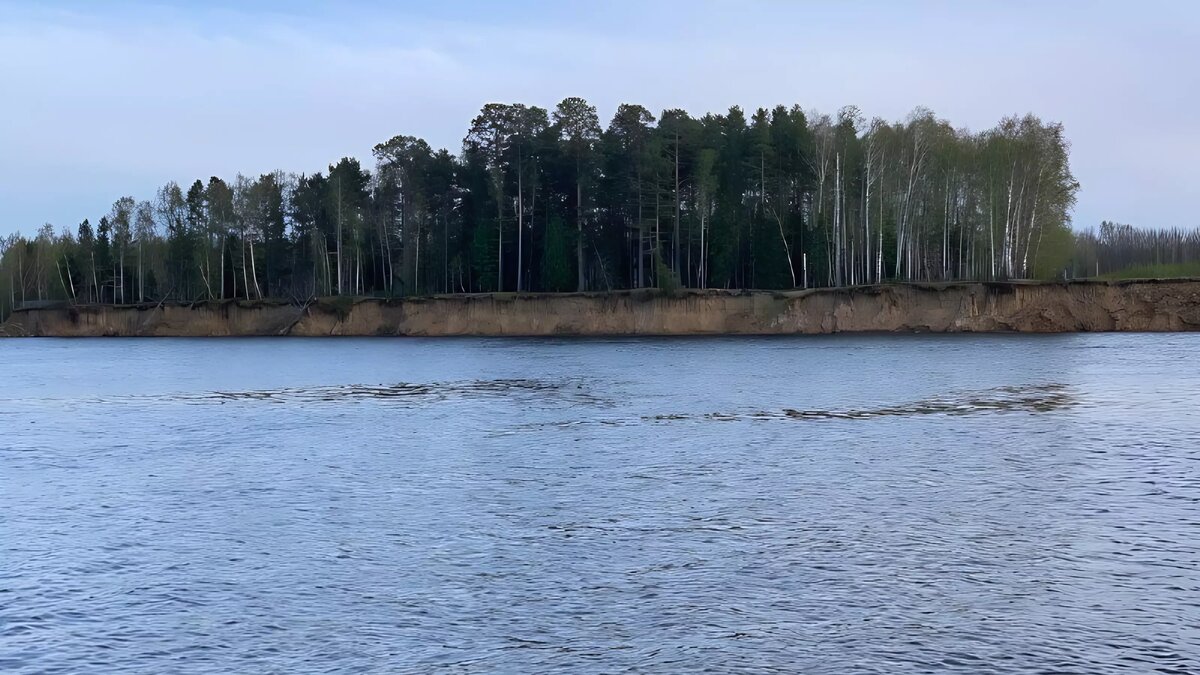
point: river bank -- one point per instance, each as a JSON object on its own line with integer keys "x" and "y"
{"x": 1143, "y": 305}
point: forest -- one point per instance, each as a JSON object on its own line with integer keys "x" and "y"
{"x": 541, "y": 200}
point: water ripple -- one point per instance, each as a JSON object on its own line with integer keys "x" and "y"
{"x": 1030, "y": 398}
{"x": 973, "y": 504}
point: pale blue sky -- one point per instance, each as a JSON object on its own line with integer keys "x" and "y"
{"x": 103, "y": 99}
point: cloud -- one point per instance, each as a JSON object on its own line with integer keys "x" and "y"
{"x": 119, "y": 98}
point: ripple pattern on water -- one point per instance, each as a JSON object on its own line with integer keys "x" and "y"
{"x": 967, "y": 504}
{"x": 412, "y": 393}
{"x": 1032, "y": 398}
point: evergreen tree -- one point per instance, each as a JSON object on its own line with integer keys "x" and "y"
{"x": 556, "y": 267}
{"x": 783, "y": 199}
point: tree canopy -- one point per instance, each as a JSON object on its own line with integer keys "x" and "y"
{"x": 538, "y": 200}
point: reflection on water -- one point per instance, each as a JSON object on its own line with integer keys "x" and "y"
{"x": 969, "y": 504}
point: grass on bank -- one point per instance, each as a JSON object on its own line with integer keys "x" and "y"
{"x": 1162, "y": 271}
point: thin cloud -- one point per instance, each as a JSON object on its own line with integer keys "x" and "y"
{"x": 120, "y": 98}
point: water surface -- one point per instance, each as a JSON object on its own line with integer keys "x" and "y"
{"x": 823, "y": 505}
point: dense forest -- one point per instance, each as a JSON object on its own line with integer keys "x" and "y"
{"x": 540, "y": 200}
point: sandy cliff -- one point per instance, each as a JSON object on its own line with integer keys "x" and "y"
{"x": 959, "y": 307}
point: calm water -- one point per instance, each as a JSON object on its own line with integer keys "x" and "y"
{"x": 819, "y": 505}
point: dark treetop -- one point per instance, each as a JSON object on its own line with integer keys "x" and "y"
{"x": 543, "y": 200}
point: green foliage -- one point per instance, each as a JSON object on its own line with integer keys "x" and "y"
{"x": 556, "y": 266}
{"x": 483, "y": 257}
{"x": 1117, "y": 248}
{"x": 547, "y": 197}
{"x": 1053, "y": 253}
{"x": 1159, "y": 271}
{"x": 668, "y": 281}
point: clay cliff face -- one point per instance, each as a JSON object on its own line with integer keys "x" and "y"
{"x": 965, "y": 307}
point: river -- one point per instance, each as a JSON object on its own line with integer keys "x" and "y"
{"x": 876, "y": 504}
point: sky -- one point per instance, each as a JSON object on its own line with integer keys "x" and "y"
{"x": 104, "y": 99}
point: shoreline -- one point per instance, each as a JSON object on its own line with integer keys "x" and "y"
{"x": 1154, "y": 305}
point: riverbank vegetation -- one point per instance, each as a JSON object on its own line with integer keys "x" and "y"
{"x": 549, "y": 200}
{"x": 1119, "y": 251}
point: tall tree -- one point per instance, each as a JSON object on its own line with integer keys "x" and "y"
{"x": 629, "y": 167}
{"x": 347, "y": 200}
{"x": 87, "y": 245}
{"x": 402, "y": 167}
{"x": 121, "y": 218}
{"x": 528, "y": 123}
{"x": 780, "y": 200}
{"x": 196, "y": 208}
{"x": 172, "y": 211}
{"x": 489, "y": 139}
{"x": 218, "y": 198}
{"x": 676, "y": 131}
{"x": 145, "y": 235}
{"x": 579, "y": 129}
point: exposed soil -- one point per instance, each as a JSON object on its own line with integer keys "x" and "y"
{"x": 1144, "y": 305}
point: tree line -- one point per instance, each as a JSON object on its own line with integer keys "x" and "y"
{"x": 1117, "y": 249}
{"x": 549, "y": 200}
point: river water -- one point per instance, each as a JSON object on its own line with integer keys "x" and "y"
{"x": 889, "y": 504}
